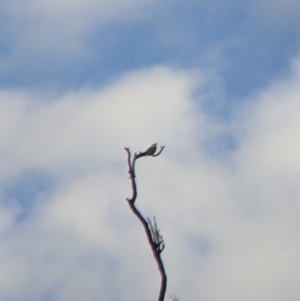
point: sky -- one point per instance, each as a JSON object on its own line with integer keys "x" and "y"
{"x": 217, "y": 83}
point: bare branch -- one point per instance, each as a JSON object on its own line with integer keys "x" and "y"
{"x": 131, "y": 175}
{"x": 155, "y": 239}
{"x": 161, "y": 149}
{"x": 156, "y": 236}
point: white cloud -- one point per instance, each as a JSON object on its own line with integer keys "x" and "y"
{"x": 89, "y": 123}
{"x": 231, "y": 229}
{"x": 79, "y": 139}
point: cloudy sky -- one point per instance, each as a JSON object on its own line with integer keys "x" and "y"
{"x": 216, "y": 82}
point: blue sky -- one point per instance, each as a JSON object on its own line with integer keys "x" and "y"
{"x": 238, "y": 40}
{"x": 216, "y": 82}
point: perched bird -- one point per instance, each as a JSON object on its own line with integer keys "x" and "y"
{"x": 151, "y": 150}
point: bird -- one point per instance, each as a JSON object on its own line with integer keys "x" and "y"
{"x": 151, "y": 150}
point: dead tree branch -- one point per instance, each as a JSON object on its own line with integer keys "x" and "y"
{"x": 154, "y": 237}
